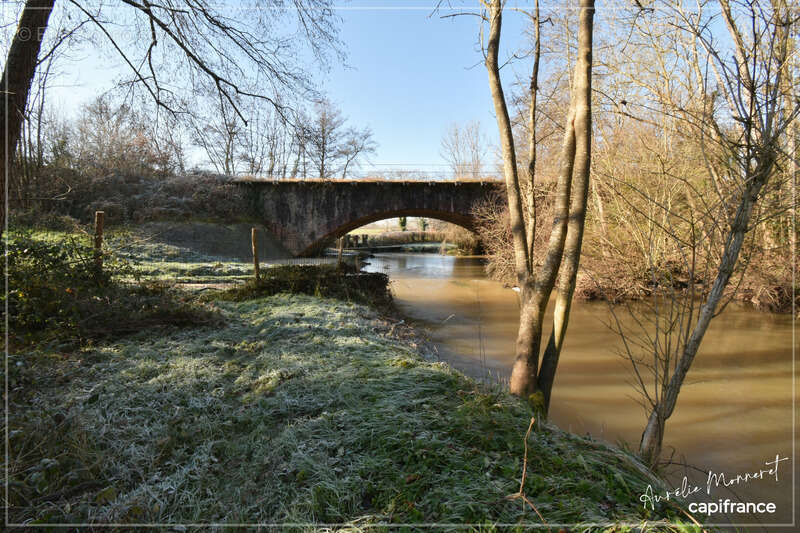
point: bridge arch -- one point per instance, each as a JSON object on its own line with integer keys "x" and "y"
{"x": 305, "y": 214}
{"x": 465, "y": 221}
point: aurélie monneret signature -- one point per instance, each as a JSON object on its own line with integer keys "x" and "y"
{"x": 650, "y": 497}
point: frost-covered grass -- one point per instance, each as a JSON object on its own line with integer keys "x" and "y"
{"x": 297, "y": 410}
{"x": 169, "y": 262}
{"x": 155, "y": 261}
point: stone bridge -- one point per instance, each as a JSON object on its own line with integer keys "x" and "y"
{"x": 306, "y": 214}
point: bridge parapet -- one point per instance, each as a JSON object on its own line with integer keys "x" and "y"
{"x": 305, "y": 214}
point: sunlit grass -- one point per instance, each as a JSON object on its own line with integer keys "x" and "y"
{"x": 299, "y": 409}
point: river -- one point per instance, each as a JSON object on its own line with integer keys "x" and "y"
{"x": 734, "y": 412}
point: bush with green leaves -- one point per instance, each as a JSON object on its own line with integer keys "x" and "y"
{"x": 57, "y": 294}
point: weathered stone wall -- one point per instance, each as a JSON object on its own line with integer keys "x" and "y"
{"x": 304, "y": 215}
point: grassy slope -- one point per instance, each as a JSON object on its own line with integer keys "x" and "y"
{"x": 298, "y": 410}
{"x": 157, "y": 258}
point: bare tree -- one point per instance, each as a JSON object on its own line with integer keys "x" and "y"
{"x": 357, "y": 145}
{"x": 258, "y": 145}
{"x": 197, "y": 39}
{"x": 265, "y": 143}
{"x": 218, "y": 133}
{"x": 299, "y": 145}
{"x": 18, "y": 74}
{"x": 30, "y": 160}
{"x": 727, "y": 102}
{"x": 324, "y": 136}
{"x": 48, "y": 161}
{"x": 465, "y": 149}
{"x": 569, "y": 212}
{"x": 331, "y": 146}
{"x": 112, "y": 138}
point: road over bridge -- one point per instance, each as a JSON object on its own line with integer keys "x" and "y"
{"x": 306, "y": 214}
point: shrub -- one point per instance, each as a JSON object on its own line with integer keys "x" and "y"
{"x": 48, "y": 220}
{"x": 57, "y": 295}
{"x": 466, "y": 242}
{"x": 494, "y": 231}
{"x": 329, "y": 281}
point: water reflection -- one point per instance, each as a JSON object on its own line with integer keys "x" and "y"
{"x": 735, "y": 409}
{"x": 404, "y": 266}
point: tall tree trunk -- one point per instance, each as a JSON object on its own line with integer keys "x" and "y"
{"x": 534, "y": 290}
{"x": 523, "y": 378}
{"x": 18, "y": 74}
{"x": 507, "y": 145}
{"x": 580, "y": 191}
{"x": 532, "y": 141}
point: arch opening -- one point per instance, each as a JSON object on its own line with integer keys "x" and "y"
{"x": 464, "y": 221}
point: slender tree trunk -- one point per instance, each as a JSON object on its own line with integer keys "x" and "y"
{"x": 18, "y": 74}
{"x": 529, "y": 336}
{"x": 296, "y": 167}
{"x": 652, "y": 438}
{"x": 532, "y": 141}
{"x": 601, "y": 212}
{"x": 40, "y": 114}
{"x": 523, "y": 377}
{"x": 580, "y": 189}
{"x": 507, "y": 146}
{"x": 534, "y": 290}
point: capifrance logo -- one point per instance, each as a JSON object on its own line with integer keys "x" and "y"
{"x": 714, "y": 480}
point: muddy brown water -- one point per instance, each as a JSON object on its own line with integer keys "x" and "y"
{"x": 735, "y": 410}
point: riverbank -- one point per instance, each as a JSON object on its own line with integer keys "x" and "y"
{"x": 297, "y": 409}
{"x": 278, "y": 409}
{"x": 735, "y": 414}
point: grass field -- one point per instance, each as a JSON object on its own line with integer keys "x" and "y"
{"x": 297, "y": 410}
{"x": 294, "y": 409}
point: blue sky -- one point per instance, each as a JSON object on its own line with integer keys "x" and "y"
{"x": 409, "y": 74}
{"x": 412, "y": 74}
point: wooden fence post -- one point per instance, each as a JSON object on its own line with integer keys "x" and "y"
{"x": 254, "y": 242}
{"x": 99, "y": 218}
